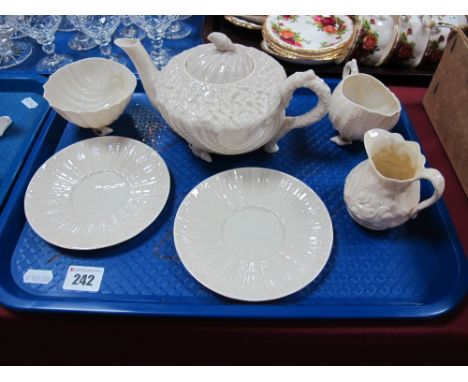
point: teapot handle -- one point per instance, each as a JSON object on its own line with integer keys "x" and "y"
{"x": 297, "y": 80}
{"x": 435, "y": 177}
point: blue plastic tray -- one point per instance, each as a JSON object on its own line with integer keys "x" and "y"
{"x": 19, "y": 137}
{"x": 416, "y": 270}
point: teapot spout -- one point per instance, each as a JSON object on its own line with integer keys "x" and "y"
{"x": 142, "y": 61}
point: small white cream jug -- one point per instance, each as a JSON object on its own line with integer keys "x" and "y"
{"x": 360, "y": 103}
{"x": 384, "y": 191}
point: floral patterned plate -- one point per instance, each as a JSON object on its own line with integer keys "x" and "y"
{"x": 309, "y": 34}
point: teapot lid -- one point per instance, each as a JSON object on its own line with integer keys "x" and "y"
{"x": 221, "y": 62}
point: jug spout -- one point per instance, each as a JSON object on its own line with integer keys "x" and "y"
{"x": 142, "y": 61}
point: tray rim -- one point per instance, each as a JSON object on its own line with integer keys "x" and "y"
{"x": 23, "y": 301}
{"x": 15, "y": 168}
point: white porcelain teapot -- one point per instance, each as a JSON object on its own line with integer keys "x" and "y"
{"x": 225, "y": 98}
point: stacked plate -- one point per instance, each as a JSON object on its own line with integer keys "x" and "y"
{"x": 373, "y": 40}
{"x": 248, "y": 21}
{"x": 314, "y": 39}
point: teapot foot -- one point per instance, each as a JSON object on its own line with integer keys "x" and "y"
{"x": 205, "y": 155}
{"x": 102, "y": 131}
{"x": 341, "y": 141}
{"x": 271, "y": 147}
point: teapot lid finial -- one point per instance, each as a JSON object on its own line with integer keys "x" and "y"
{"x": 221, "y": 62}
{"x": 221, "y": 41}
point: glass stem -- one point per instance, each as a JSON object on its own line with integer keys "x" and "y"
{"x": 49, "y": 48}
{"x": 157, "y": 41}
{"x": 5, "y": 43}
{"x": 105, "y": 49}
{"x": 126, "y": 21}
{"x": 131, "y": 31}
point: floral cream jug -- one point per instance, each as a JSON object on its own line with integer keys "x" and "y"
{"x": 376, "y": 39}
{"x": 414, "y": 33}
{"x": 225, "y": 98}
{"x": 384, "y": 191}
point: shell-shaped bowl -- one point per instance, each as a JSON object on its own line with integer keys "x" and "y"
{"x": 90, "y": 93}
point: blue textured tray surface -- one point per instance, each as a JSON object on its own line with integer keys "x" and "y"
{"x": 17, "y": 140}
{"x": 416, "y": 270}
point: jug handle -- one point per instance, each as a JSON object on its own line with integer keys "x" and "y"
{"x": 297, "y": 80}
{"x": 350, "y": 68}
{"x": 435, "y": 177}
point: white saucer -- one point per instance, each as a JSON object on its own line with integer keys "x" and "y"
{"x": 253, "y": 234}
{"x": 97, "y": 193}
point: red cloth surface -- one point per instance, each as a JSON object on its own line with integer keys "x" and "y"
{"x": 27, "y": 338}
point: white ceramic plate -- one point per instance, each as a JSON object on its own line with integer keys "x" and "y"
{"x": 96, "y": 193}
{"x": 253, "y": 234}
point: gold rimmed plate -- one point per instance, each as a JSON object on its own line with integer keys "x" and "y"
{"x": 256, "y": 19}
{"x": 309, "y": 35}
{"x": 290, "y": 57}
{"x": 243, "y": 23}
